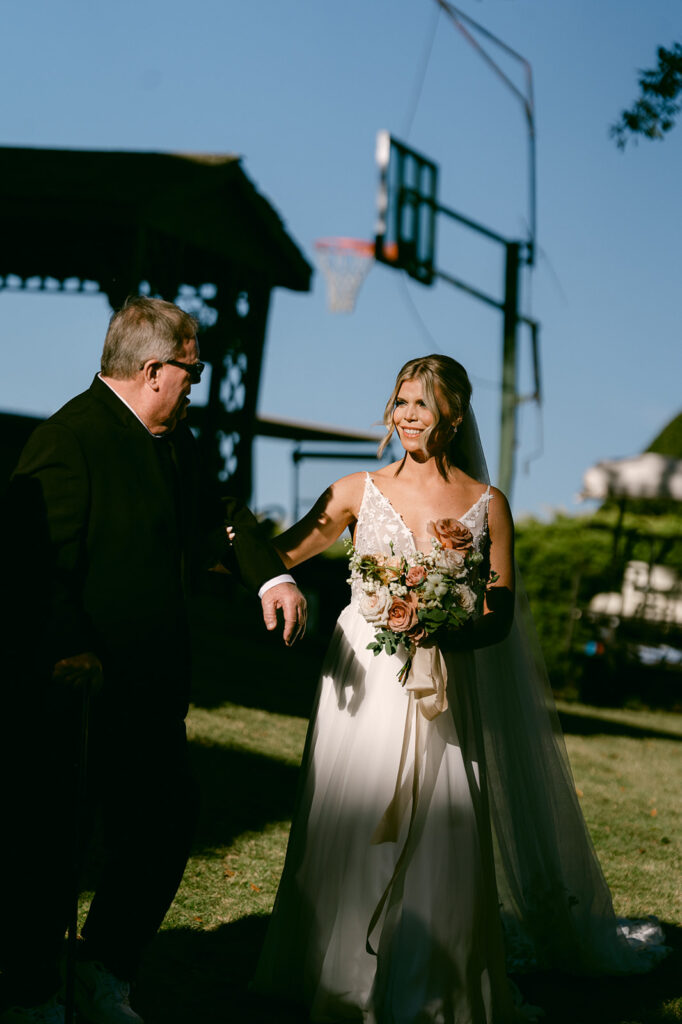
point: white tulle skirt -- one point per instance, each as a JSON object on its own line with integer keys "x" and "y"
{"x": 402, "y": 930}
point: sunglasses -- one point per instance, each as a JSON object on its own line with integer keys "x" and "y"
{"x": 194, "y": 370}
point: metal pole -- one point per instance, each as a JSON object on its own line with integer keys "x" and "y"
{"x": 509, "y": 397}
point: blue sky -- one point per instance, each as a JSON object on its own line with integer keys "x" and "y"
{"x": 300, "y": 89}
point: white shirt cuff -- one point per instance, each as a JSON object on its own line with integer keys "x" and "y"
{"x": 284, "y": 578}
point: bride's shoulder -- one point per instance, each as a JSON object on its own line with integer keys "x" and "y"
{"x": 348, "y": 490}
{"x": 476, "y": 488}
{"x": 499, "y": 512}
{"x": 498, "y": 497}
{"x": 354, "y": 481}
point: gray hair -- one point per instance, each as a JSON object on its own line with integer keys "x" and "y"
{"x": 144, "y": 329}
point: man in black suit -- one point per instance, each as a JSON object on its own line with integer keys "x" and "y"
{"x": 107, "y": 521}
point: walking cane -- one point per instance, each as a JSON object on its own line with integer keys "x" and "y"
{"x": 81, "y": 783}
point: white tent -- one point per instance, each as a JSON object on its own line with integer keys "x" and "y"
{"x": 652, "y": 592}
{"x": 641, "y": 476}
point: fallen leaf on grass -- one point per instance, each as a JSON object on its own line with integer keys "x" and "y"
{"x": 579, "y": 792}
{"x": 654, "y": 812}
{"x": 229, "y": 873}
{"x": 255, "y": 887}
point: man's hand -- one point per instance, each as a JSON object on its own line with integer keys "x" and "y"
{"x": 289, "y": 598}
{"x": 80, "y": 670}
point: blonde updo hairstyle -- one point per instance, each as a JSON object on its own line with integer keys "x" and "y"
{"x": 445, "y": 383}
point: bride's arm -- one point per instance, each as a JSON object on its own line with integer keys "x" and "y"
{"x": 333, "y": 511}
{"x": 498, "y": 609}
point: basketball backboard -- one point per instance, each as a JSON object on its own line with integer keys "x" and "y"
{"x": 407, "y": 203}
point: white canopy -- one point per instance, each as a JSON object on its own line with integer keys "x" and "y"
{"x": 641, "y": 476}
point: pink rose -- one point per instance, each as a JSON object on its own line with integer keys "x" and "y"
{"x": 415, "y": 575}
{"x": 417, "y": 633}
{"x": 402, "y": 615}
{"x": 452, "y": 534}
{"x": 387, "y": 561}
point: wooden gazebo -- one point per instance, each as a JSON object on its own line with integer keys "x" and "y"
{"x": 186, "y": 227}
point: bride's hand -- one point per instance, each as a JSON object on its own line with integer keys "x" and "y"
{"x": 457, "y": 640}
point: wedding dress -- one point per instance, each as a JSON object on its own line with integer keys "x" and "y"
{"x": 429, "y": 855}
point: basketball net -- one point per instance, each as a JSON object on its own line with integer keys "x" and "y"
{"x": 345, "y": 263}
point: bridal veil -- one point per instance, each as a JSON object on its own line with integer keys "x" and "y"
{"x": 555, "y": 904}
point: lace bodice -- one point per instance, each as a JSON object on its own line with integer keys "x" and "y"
{"x": 380, "y": 526}
{"x": 381, "y": 529}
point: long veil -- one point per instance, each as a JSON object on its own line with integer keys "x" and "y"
{"x": 555, "y": 904}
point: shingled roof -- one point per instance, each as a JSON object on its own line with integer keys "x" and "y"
{"x": 85, "y": 215}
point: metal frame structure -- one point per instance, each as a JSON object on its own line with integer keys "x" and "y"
{"x": 412, "y": 224}
{"x": 407, "y": 217}
{"x": 315, "y": 433}
{"x": 189, "y": 228}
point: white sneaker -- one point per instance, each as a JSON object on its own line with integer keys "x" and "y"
{"x": 51, "y": 1012}
{"x": 101, "y": 997}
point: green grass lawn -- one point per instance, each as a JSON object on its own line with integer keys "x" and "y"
{"x": 247, "y": 730}
{"x": 627, "y": 767}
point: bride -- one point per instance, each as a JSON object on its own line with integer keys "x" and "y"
{"x": 434, "y": 846}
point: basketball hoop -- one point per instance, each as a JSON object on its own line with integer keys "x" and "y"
{"x": 345, "y": 263}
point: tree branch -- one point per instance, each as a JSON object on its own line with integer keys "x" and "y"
{"x": 654, "y": 113}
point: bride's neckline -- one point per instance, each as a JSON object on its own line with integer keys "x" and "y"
{"x": 395, "y": 511}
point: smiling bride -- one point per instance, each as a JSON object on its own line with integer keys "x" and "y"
{"x": 437, "y": 841}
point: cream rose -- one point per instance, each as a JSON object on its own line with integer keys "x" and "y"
{"x": 449, "y": 560}
{"x": 467, "y": 598}
{"x": 374, "y": 607}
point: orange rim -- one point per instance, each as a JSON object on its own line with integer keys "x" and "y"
{"x": 358, "y": 245}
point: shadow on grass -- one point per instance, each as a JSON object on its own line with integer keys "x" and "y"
{"x": 629, "y": 999}
{"x": 203, "y": 977}
{"x": 593, "y": 725}
{"x": 240, "y": 792}
{"x": 235, "y": 659}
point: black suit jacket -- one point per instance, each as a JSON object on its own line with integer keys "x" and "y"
{"x": 108, "y": 526}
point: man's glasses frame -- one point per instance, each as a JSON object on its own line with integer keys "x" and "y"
{"x": 194, "y": 370}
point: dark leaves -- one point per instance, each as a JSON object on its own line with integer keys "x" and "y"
{"x": 654, "y": 113}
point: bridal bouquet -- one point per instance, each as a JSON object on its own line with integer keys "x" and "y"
{"x": 413, "y": 599}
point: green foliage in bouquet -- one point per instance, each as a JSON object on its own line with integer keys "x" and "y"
{"x": 413, "y": 599}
